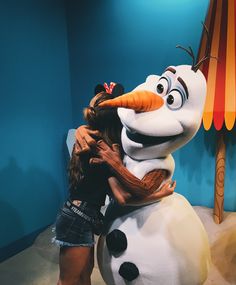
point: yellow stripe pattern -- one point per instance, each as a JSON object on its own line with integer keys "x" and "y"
{"x": 230, "y": 86}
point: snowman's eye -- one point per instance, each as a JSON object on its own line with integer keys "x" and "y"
{"x": 162, "y": 86}
{"x": 174, "y": 100}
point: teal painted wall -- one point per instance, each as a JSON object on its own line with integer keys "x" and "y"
{"x": 35, "y": 114}
{"x": 126, "y": 40}
{"x": 195, "y": 169}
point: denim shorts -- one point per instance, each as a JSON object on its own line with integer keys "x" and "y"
{"x": 73, "y": 230}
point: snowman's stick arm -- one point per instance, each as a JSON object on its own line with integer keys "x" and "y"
{"x": 166, "y": 189}
{"x": 140, "y": 187}
{"x": 124, "y": 198}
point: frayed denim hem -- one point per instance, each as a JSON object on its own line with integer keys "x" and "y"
{"x": 60, "y": 243}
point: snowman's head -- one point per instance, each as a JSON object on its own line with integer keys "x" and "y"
{"x": 163, "y": 113}
{"x": 170, "y": 120}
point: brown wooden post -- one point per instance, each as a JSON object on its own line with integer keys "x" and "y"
{"x": 219, "y": 178}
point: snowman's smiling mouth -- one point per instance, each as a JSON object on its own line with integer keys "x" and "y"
{"x": 148, "y": 140}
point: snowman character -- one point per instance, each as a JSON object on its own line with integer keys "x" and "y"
{"x": 163, "y": 243}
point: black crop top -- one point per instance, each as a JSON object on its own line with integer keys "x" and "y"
{"x": 94, "y": 186}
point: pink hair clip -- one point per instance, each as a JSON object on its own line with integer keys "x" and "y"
{"x": 110, "y": 87}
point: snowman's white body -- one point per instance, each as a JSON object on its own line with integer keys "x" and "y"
{"x": 166, "y": 240}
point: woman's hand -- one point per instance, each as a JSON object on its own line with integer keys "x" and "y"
{"x": 85, "y": 139}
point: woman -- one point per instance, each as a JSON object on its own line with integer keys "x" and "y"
{"x": 80, "y": 216}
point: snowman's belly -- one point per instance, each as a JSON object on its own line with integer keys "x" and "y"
{"x": 166, "y": 241}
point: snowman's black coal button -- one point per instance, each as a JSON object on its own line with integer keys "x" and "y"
{"x": 116, "y": 241}
{"x": 129, "y": 271}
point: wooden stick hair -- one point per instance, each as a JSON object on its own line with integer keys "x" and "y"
{"x": 196, "y": 65}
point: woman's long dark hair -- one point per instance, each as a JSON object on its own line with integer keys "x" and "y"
{"x": 107, "y": 122}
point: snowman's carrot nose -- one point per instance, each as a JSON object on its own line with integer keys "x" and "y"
{"x": 139, "y": 100}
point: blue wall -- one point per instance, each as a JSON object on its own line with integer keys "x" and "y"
{"x": 35, "y": 114}
{"x": 126, "y": 40}
{"x": 195, "y": 169}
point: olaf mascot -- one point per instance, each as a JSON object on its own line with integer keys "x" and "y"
{"x": 164, "y": 243}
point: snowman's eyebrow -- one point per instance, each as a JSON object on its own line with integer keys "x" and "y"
{"x": 184, "y": 85}
{"x": 171, "y": 69}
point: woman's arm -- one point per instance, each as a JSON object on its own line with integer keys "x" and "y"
{"x": 137, "y": 187}
{"x": 120, "y": 195}
{"x": 124, "y": 198}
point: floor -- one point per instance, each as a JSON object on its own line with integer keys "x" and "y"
{"x": 38, "y": 265}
